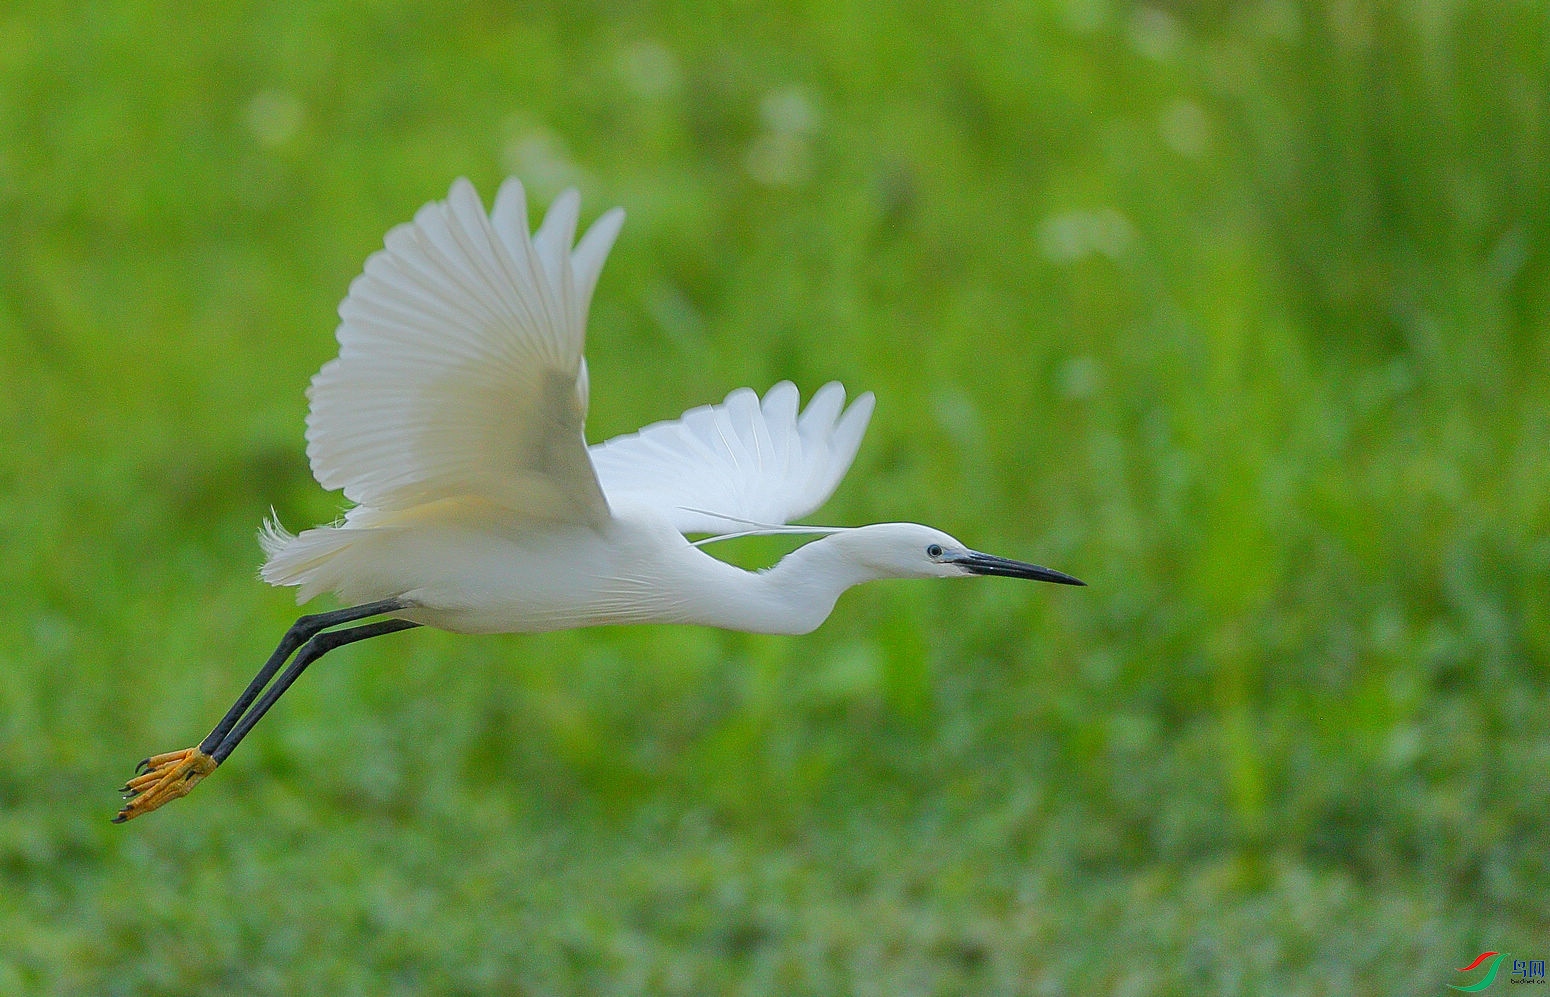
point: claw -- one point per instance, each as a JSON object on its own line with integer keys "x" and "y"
{"x": 163, "y": 778}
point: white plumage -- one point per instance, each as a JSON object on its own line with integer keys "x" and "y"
{"x": 454, "y": 415}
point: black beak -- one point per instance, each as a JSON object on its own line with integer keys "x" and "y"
{"x": 990, "y": 564}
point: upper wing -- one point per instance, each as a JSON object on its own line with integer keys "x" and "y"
{"x": 460, "y": 369}
{"x": 721, "y": 467}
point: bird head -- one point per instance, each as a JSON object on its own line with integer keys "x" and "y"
{"x": 909, "y": 550}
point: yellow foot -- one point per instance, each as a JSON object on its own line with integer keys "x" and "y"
{"x": 163, "y": 778}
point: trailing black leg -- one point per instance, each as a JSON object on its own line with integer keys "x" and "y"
{"x": 317, "y": 646}
{"x": 168, "y": 776}
{"x": 303, "y": 630}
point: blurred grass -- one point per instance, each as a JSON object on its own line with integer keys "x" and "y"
{"x": 1237, "y": 311}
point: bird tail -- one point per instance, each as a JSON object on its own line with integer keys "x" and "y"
{"x": 298, "y": 558}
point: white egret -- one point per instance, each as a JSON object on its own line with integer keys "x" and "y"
{"x": 453, "y": 420}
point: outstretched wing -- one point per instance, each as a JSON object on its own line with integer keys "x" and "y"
{"x": 460, "y": 370}
{"x": 720, "y": 468}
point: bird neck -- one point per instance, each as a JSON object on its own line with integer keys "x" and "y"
{"x": 795, "y": 595}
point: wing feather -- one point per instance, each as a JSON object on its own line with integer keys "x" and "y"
{"x": 745, "y": 461}
{"x": 460, "y": 369}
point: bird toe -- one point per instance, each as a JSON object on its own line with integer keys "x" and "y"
{"x": 162, "y": 779}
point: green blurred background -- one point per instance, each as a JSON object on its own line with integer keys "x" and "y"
{"x": 1237, "y": 311}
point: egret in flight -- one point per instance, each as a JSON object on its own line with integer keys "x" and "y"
{"x": 453, "y": 420}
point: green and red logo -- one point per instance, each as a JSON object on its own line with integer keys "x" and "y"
{"x": 1523, "y": 971}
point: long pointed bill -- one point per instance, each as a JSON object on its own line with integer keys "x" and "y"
{"x": 990, "y": 564}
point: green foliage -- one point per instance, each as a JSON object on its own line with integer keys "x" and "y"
{"x": 1236, "y": 311}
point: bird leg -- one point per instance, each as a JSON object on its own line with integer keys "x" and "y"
{"x": 310, "y": 652}
{"x": 165, "y": 777}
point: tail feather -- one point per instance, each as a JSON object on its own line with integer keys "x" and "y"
{"x": 273, "y": 537}
{"x": 299, "y": 558}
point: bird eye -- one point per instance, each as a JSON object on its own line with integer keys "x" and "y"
{"x": 934, "y": 550}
